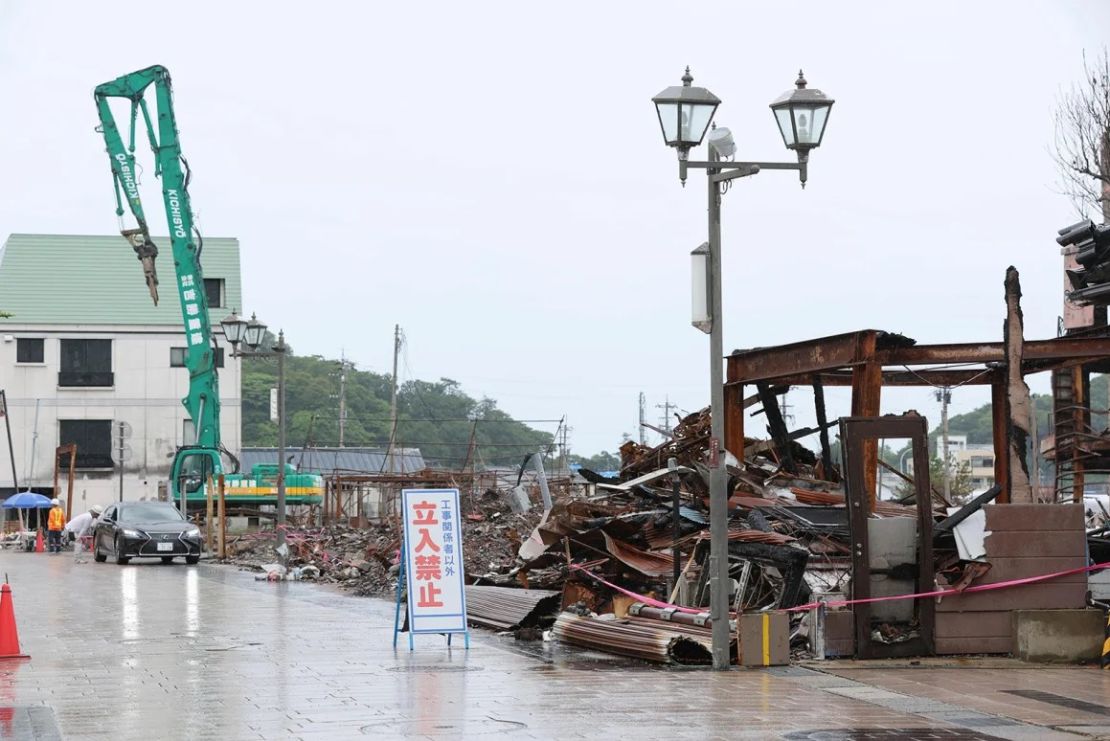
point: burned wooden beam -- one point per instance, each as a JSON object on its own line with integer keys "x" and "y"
{"x": 1019, "y": 403}
{"x": 777, "y": 426}
{"x": 826, "y": 353}
{"x": 967, "y": 510}
{"x": 867, "y": 387}
{"x": 1000, "y": 412}
{"x": 1059, "y": 348}
{"x": 823, "y": 425}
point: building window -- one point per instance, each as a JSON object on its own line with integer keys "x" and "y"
{"x": 93, "y": 438}
{"x": 177, "y": 357}
{"x": 188, "y": 432}
{"x": 214, "y": 292}
{"x": 29, "y": 350}
{"x": 86, "y": 363}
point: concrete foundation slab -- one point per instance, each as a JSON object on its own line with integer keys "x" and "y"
{"x": 1068, "y": 636}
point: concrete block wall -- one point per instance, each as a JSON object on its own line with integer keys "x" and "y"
{"x": 1023, "y": 540}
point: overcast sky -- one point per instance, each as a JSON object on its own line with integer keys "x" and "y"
{"x": 491, "y": 176}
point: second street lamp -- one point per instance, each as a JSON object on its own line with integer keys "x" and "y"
{"x": 252, "y": 333}
{"x": 685, "y": 113}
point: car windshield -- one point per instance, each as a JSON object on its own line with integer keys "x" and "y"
{"x": 148, "y": 513}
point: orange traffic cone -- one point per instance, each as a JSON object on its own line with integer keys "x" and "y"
{"x": 9, "y": 634}
{"x": 38, "y": 542}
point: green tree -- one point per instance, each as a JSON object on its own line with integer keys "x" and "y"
{"x": 960, "y": 481}
{"x": 603, "y": 461}
{"x": 436, "y": 416}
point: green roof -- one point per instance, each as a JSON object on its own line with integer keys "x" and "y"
{"x": 76, "y": 279}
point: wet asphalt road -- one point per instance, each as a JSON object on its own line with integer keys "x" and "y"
{"x": 148, "y": 651}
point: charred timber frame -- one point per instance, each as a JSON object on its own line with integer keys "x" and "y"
{"x": 866, "y": 361}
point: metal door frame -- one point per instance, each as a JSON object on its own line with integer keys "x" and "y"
{"x": 854, "y": 432}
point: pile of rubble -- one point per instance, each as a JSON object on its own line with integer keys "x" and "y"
{"x": 613, "y": 566}
{"x": 364, "y": 560}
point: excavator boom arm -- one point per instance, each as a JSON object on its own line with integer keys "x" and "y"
{"x": 203, "y": 401}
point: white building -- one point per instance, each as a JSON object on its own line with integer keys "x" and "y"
{"x": 85, "y": 349}
{"x": 978, "y": 457}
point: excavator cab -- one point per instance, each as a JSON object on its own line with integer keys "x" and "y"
{"x": 192, "y": 468}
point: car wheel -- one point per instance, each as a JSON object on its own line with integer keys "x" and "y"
{"x": 97, "y": 555}
{"x": 192, "y": 560}
{"x": 121, "y": 559}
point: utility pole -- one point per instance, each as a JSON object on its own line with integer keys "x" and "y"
{"x": 11, "y": 450}
{"x": 944, "y": 396}
{"x": 393, "y": 400}
{"x": 470, "y": 461}
{"x": 643, "y": 420}
{"x": 785, "y": 406}
{"x": 342, "y": 397}
{"x": 563, "y": 430}
{"x": 665, "y": 422}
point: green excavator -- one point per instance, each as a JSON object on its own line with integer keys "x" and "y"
{"x": 192, "y": 464}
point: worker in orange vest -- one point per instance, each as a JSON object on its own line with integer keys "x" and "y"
{"x": 55, "y": 524}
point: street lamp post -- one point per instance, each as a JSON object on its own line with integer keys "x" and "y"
{"x": 685, "y": 113}
{"x": 902, "y": 459}
{"x": 252, "y": 333}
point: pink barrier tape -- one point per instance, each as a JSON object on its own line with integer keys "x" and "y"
{"x": 946, "y": 592}
{"x": 641, "y": 597}
{"x": 844, "y": 603}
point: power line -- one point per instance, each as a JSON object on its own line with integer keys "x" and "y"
{"x": 412, "y": 444}
{"x": 442, "y": 419}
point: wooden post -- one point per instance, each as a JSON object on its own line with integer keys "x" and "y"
{"x": 209, "y": 494}
{"x": 1019, "y": 404}
{"x": 999, "y": 414}
{"x": 822, "y": 424}
{"x": 69, "y": 504}
{"x": 72, "y": 473}
{"x": 734, "y": 420}
{"x": 71, "y": 450}
{"x": 223, "y": 520}
{"x": 1080, "y": 424}
{"x": 867, "y": 387}
{"x": 776, "y": 426}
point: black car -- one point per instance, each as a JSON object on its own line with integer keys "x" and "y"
{"x": 145, "y": 530}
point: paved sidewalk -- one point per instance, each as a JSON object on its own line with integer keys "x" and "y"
{"x": 151, "y": 651}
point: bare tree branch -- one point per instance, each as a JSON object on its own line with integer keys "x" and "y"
{"x": 1083, "y": 139}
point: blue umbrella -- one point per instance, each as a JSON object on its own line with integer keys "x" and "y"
{"x": 27, "y": 500}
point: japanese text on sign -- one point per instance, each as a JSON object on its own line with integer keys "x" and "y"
{"x": 434, "y": 560}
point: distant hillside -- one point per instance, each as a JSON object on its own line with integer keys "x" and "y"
{"x": 438, "y": 417}
{"x": 976, "y": 424}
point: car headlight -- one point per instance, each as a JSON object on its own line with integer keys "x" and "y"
{"x": 191, "y": 533}
{"x": 129, "y": 533}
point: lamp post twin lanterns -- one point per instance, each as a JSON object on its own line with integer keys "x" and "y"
{"x": 251, "y": 333}
{"x": 685, "y": 114}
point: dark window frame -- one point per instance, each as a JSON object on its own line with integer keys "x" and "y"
{"x": 85, "y": 362}
{"x": 180, "y": 363}
{"x": 93, "y": 438}
{"x": 22, "y": 342}
{"x": 220, "y": 287}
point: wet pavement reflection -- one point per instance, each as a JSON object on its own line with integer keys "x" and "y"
{"x": 149, "y": 650}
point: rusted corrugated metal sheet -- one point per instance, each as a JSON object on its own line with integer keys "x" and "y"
{"x": 650, "y": 640}
{"x": 505, "y": 608}
{"x": 646, "y": 562}
{"x": 826, "y": 498}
